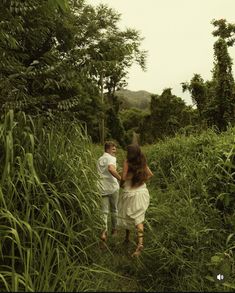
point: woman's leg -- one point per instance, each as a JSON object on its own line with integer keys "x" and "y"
{"x": 140, "y": 239}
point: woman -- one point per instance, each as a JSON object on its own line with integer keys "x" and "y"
{"x": 134, "y": 200}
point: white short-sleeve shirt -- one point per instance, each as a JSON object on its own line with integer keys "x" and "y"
{"x": 108, "y": 184}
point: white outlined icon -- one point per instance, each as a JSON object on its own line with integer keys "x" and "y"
{"x": 220, "y": 277}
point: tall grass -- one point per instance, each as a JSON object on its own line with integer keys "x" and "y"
{"x": 191, "y": 219}
{"x": 189, "y": 230}
{"x": 49, "y": 206}
{"x": 50, "y": 216}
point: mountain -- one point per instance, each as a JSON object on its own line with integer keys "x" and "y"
{"x": 138, "y": 99}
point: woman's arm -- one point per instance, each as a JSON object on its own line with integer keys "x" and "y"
{"x": 149, "y": 172}
{"x": 124, "y": 173}
{"x": 125, "y": 170}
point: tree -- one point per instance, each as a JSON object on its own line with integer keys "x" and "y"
{"x": 198, "y": 91}
{"x": 27, "y": 48}
{"x": 111, "y": 54}
{"x": 115, "y": 127}
{"x": 215, "y": 99}
{"x": 168, "y": 113}
{"x": 61, "y": 56}
{"x": 42, "y": 60}
{"x": 132, "y": 120}
{"x": 222, "y": 106}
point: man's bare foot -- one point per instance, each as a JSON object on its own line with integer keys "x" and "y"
{"x": 103, "y": 241}
{"x": 138, "y": 250}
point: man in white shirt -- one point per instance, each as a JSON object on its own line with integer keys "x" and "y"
{"x": 109, "y": 186}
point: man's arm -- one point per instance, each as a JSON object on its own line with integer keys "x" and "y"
{"x": 113, "y": 171}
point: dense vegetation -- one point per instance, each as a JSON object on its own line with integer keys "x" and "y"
{"x": 72, "y": 60}
{"x": 50, "y": 216}
{"x": 62, "y": 63}
{"x": 49, "y": 210}
{"x": 191, "y": 219}
{"x": 69, "y": 58}
{"x": 189, "y": 234}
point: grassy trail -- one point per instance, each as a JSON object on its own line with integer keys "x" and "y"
{"x": 121, "y": 270}
{"x": 117, "y": 271}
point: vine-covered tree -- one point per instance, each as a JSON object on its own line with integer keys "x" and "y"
{"x": 198, "y": 90}
{"x": 215, "y": 99}
{"x": 222, "y": 106}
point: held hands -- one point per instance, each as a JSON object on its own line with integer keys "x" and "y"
{"x": 122, "y": 183}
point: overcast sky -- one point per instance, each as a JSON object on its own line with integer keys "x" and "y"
{"x": 178, "y": 37}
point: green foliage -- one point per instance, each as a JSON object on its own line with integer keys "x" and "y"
{"x": 50, "y": 215}
{"x": 198, "y": 92}
{"x": 168, "y": 114}
{"x": 39, "y": 72}
{"x": 132, "y": 119}
{"x": 224, "y": 30}
{"x": 115, "y": 126}
{"x": 214, "y": 156}
{"x": 222, "y": 106}
{"x": 49, "y": 206}
{"x": 189, "y": 237}
{"x": 53, "y": 54}
{"x": 215, "y": 99}
{"x": 109, "y": 56}
{"x": 191, "y": 219}
{"x": 112, "y": 51}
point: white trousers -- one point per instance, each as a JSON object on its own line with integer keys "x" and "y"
{"x": 109, "y": 205}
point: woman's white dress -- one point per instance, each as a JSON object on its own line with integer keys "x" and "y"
{"x": 132, "y": 205}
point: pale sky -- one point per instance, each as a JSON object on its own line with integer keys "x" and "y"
{"x": 178, "y": 37}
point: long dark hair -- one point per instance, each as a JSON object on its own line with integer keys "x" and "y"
{"x": 136, "y": 165}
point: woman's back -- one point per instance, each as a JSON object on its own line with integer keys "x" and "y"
{"x": 128, "y": 185}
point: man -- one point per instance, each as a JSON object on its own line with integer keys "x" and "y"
{"x": 109, "y": 186}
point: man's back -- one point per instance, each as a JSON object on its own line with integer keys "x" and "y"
{"x": 108, "y": 183}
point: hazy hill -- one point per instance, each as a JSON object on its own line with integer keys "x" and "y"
{"x": 138, "y": 99}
